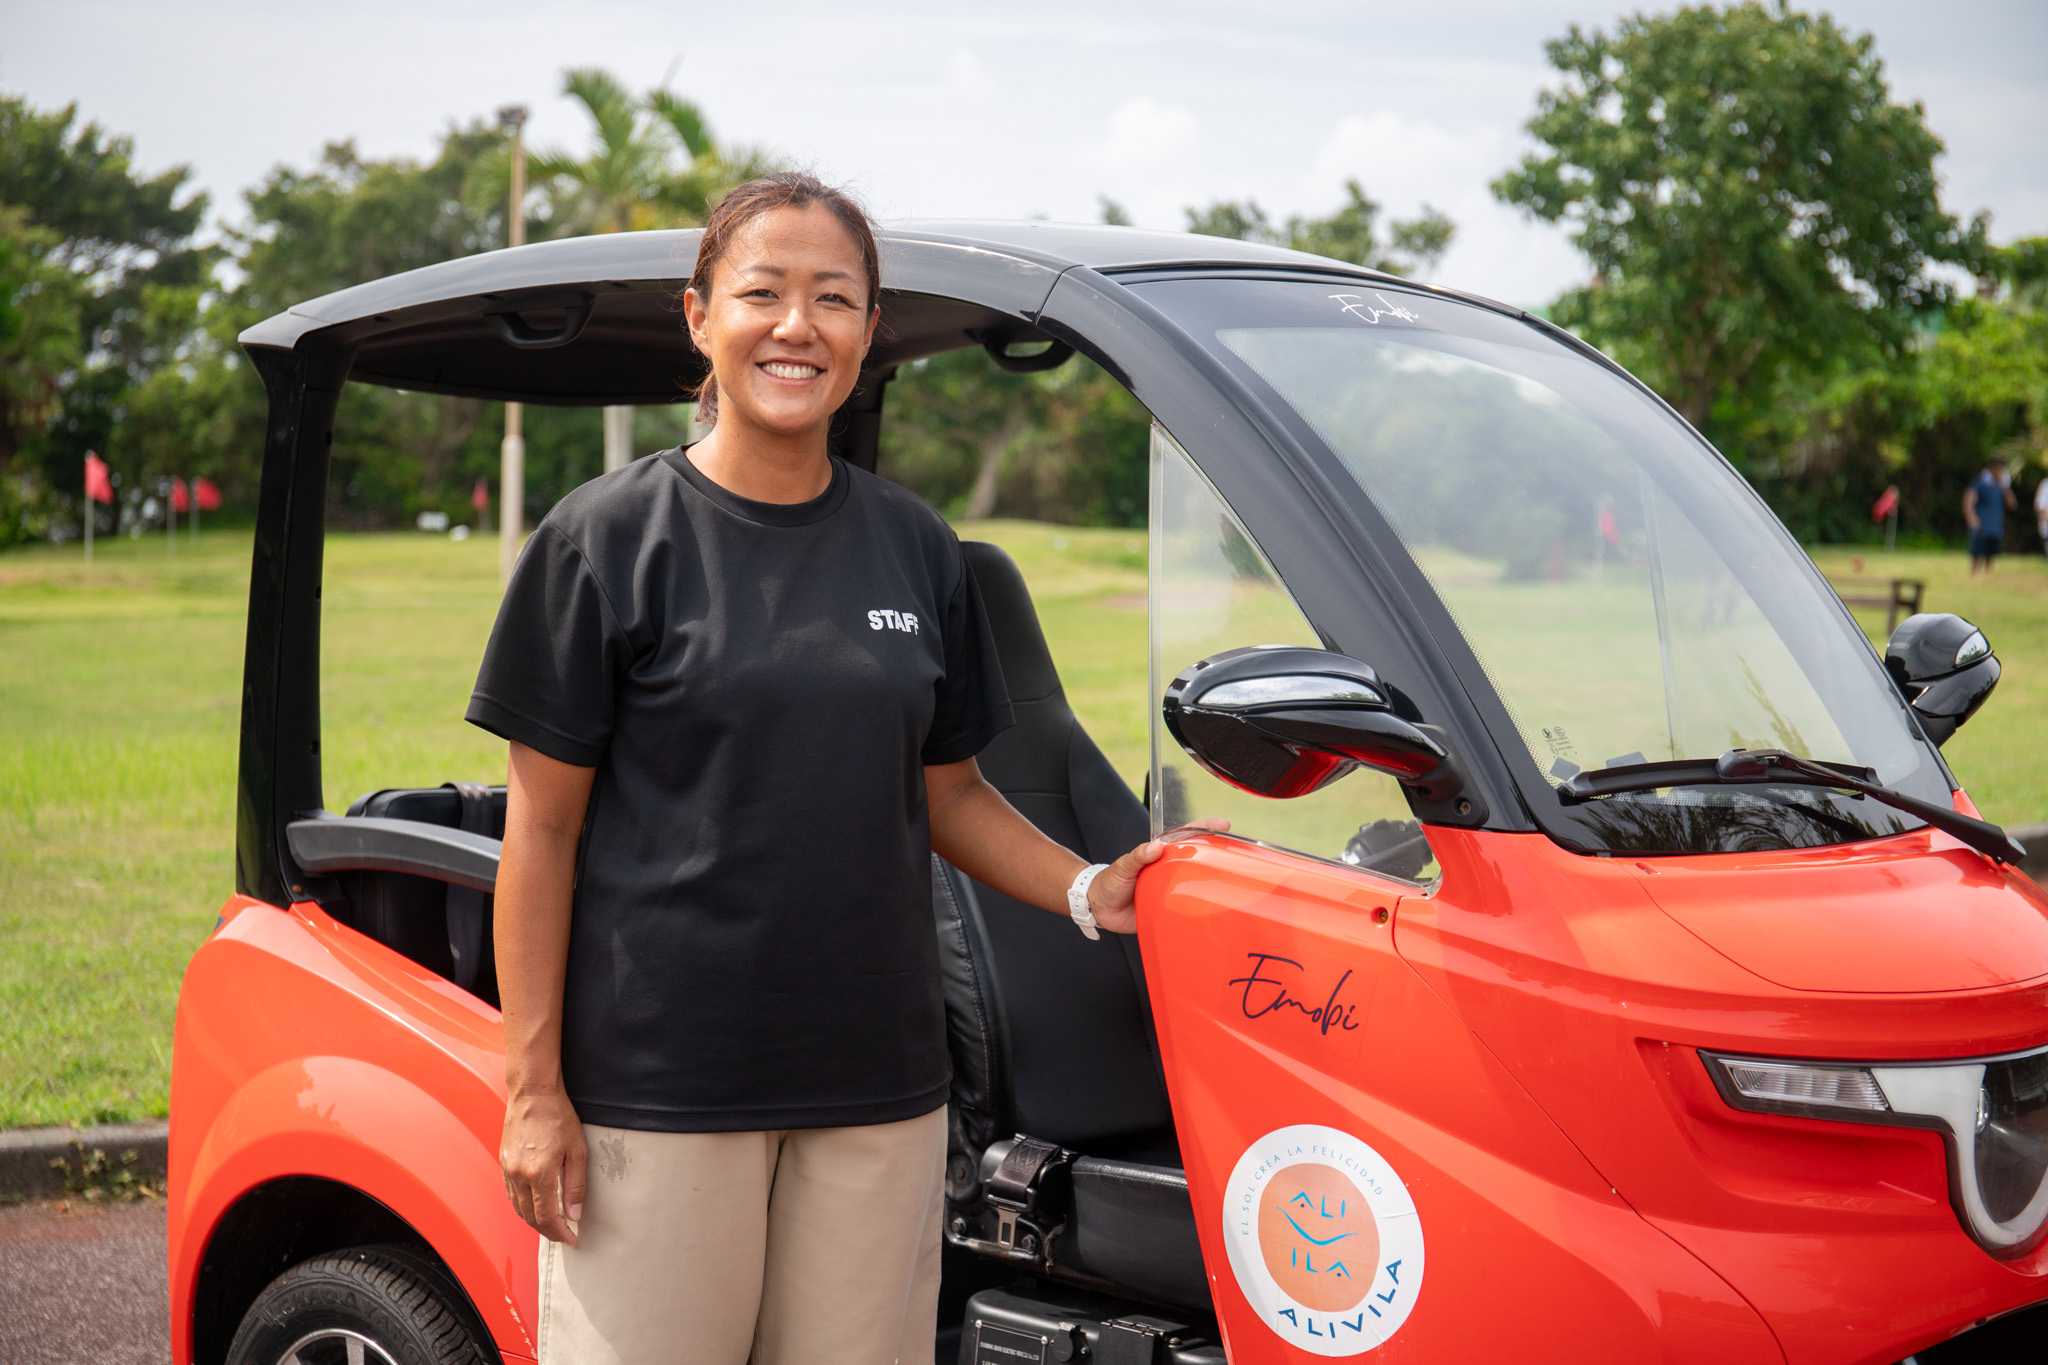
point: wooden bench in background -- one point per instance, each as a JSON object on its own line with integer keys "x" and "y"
{"x": 1896, "y": 595}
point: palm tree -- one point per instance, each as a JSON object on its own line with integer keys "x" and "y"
{"x": 653, "y": 164}
{"x": 713, "y": 169}
{"x": 629, "y": 178}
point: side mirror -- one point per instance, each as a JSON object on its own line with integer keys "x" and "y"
{"x": 1282, "y": 721}
{"x": 1945, "y": 668}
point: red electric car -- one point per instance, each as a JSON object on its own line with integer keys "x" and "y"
{"x": 1603, "y": 964}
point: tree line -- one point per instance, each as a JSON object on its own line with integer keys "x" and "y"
{"x": 1763, "y": 223}
{"x": 117, "y": 331}
{"x": 1770, "y": 252}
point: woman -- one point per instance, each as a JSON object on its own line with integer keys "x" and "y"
{"x": 744, "y": 684}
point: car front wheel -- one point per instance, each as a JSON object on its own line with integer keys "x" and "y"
{"x": 377, "y": 1305}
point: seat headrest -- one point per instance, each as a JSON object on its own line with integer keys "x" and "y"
{"x": 1020, "y": 644}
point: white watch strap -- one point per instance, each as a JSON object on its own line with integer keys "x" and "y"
{"x": 1077, "y": 898}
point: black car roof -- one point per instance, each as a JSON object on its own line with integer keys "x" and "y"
{"x": 667, "y": 256}
{"x": 451, "y": 327}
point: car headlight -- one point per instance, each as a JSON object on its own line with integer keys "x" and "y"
{"x": 1992, "y": 1113}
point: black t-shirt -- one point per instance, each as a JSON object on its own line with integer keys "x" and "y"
{"x": 758, "y": 686}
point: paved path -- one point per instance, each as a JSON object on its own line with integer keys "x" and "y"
{"x": 84, "y": 1284}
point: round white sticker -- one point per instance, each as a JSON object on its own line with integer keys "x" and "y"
{"x": 1323, "y": 1238}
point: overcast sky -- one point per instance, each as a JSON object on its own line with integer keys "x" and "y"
{"x": 934, "y": 108}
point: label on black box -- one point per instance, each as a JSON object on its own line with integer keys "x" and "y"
{"x": 995, "y": 1345}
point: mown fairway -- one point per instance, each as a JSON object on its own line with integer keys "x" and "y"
{"x": 118, "y": 711}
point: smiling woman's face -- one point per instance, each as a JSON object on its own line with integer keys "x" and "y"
{"x": 786, "y": 323}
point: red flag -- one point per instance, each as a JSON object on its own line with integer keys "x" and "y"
{"x": 206, "y": 494}
{"x": 1610, "y": 529}
{"x": 481, "y": 498}
{"x": 1887, "y": 503}
{"x": 179, "y": 501}
{"x": 98, "y": 486}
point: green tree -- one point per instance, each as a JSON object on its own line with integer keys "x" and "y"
{"x": 2018, "y": 273}
{"x": 1066, "y": 445}
{"x": 1974, "y": 383}
{"x": 116, "y": 336}
{"x": 102, "y": 276}
{"x": 80, "y": 183}
{"x": 1239, "y": 220}
{"x": 628, "y": 180}
{"x": 950, "y": 424}
{"x": 41, "y": 340}
{"x": 311, "y": 231}
{"x": 1087, "y": 461}
{"x": 40, "y": 347}
{"x": 1413, "y": 246}
{"x": 346, "y": 220}
{"x": 1757, "y": 210}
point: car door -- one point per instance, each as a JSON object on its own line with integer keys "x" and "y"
{"x": 1365, "y": 1175}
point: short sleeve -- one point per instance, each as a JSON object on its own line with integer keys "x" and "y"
{"x": 550, "y": 673}
{"x": 973, "y": 705}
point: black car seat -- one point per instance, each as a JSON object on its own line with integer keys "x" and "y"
{"x": 444, "y": 927}
{"x": 1059, "y": 1102}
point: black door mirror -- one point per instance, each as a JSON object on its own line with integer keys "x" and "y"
{"x": 1281, "y": 721}
{"x": 1945, "y": 668}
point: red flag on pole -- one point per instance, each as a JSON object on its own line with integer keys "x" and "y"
{"x": 1887, "y": 502}
{"x": 179, "y": 501}
{"x": 206, "y": 494}
{"x": 98, "y": 486}
{"x": 1610, "y": 529}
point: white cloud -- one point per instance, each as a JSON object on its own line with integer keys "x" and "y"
{"x": 1152, "y": 157}
{"x": 1144, "y": 135}
{"x": 1405, "y": 163}
{"x": 934, "y": 108}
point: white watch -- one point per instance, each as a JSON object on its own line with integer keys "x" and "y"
{"x": 1077, "y": 898}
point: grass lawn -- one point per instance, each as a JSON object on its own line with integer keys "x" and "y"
{"x": 2001, "y": 756}
{"x": 119, "y": 702}
{"x": 119, "y": 705}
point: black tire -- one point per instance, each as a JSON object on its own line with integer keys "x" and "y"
{"x": 375, "y": 1305}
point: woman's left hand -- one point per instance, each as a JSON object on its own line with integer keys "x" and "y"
{"x": 977, "y": 831}
{"x": 1113, "y": 895}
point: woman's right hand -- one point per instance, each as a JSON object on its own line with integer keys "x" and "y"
{"x": 545, "y": 1162}
{"x": 541, "y": 1151}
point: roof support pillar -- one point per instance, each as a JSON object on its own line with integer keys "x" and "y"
{"x": 278, "y": 773}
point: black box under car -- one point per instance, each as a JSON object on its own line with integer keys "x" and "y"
{"x": 1039, "y": 1324}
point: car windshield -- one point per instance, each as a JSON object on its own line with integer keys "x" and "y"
{"x": 1626, "y": 594}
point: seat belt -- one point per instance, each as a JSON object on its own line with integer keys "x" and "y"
{"x": 466, "y": 946}
{"x": 1013, "y": 1188}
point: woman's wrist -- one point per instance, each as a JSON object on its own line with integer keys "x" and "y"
{"x": 536, "y": 1084}
{"x": 1080, "y": 897}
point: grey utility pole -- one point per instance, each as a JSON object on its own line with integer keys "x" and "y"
{"x": 618, "y": 437}
{"x": 512, "y": 453}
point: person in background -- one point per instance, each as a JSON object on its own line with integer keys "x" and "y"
{"x": 1984, "y": 505}
{"x": 2041, "y": 512}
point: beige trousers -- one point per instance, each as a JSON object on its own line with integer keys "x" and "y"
{"x": 781, "y": 1248}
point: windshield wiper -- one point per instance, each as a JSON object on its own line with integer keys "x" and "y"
{"x": 1741, "y": 766}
